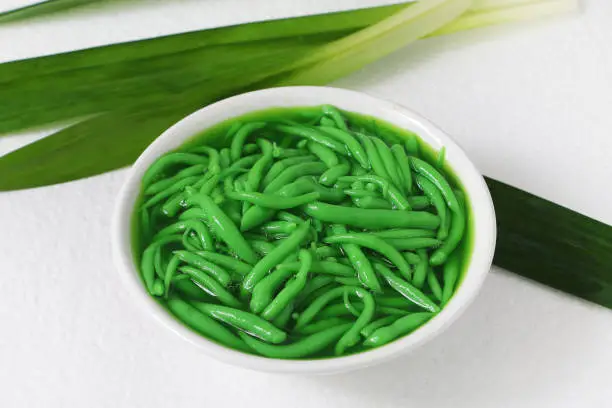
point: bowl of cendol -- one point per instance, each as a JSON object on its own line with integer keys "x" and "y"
{"x": 304, "y": 230}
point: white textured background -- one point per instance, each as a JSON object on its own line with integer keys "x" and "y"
{"x": 531, "y": 103}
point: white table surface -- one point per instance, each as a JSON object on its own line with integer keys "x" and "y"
{"x": 531, "y": 103}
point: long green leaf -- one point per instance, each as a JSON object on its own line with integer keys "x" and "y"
{"x": 509, "y": 11}
{"x": 28, "y": 166}
{"x": 112, "y": 140}
{"x": 341, "y": 23}
{"x": 125, "y": 76}
{"x": 42, "y": 8}
{"x": 91, "y": 147}
{"x": 551, "y": 244}
{"x": 355, "y": 51}
{"x": 122, "y": 76}
{"x": 74, "y": 93}
{"x": 128, "y": 75}
{"x": 149, "y": 80}
{"x": 47, "y": 8}
{"x": 82, "y": 84}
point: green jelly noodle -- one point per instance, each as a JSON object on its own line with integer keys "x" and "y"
{"x": 302, "y": 233}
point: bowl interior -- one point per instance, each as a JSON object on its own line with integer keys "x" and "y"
{"x": 481, "y": 209}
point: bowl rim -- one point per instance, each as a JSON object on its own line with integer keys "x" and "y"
{"x": 484, "y": 223}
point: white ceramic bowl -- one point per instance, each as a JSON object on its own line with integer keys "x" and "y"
{"x": 482, "y": 210}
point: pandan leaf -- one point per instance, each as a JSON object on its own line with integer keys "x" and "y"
{"x": 136, "y": 74}
{"x": 127, "y": 86}
{"x": 125, "y": 76}
{"x": 348, "y": 54}
{"x": 27, "y": 167}
{"x": 506, "y": 11}
{"x": 340, "y": 23}
{"x": 128, "y": 75}
{"x": 42, "y": 8}
{"x": 164, "y": 79}
{"x": 99, "y": 144}
{"x": 551, "y": 244}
